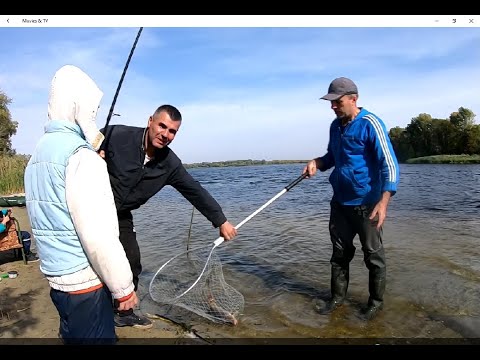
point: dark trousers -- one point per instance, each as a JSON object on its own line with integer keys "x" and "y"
{"x": 85, "y": 318}
{"x": 345, "y": 223}
{"x": 128, "y": 238}
{"x": 26, "y": 240}
{"x": 27, "y": 244}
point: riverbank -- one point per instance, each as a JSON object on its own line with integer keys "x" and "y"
{"x": 27, "y": 314}
{"x": 445, "y": 159}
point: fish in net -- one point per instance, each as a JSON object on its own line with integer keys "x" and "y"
{"x": 210, "y": 297}
{"x": 194, "y": 279}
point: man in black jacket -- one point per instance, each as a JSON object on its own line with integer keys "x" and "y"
{"x": 140, "y": 164}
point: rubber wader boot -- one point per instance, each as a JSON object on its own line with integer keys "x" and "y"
{"x": 339, "y": 285}
{"x": 376, "y": 287}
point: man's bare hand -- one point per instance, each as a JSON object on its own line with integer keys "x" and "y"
{"x": 5, "y": 219}
{"x": 129, "y": 304}
{"x": 227, "y": 231}
{"x": 102, "y": 154}
{"x": 380, "y": 210}
{"x": 311, "y": 168}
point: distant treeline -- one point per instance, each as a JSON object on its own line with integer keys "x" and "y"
{"x": 248, "y": 162}
{"x": 446, "y": 159}
{"x": 426, "y": 136}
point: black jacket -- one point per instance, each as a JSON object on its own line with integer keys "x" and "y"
{"x": 134, "y": 183}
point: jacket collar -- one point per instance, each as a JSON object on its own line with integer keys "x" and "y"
{"x": 63, "y": 126}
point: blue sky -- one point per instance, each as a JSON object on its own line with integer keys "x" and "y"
{"x": 245, "y": 93}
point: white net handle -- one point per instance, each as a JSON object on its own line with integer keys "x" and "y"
{"x": 287, "y": 188}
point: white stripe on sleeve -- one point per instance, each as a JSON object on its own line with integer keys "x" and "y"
{"x": 392, "y": 171}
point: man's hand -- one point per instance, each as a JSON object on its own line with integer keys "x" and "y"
{"x": 130, "y": 303}
{"x": 101, "y": 153}
{"x": 311, "y": 167}
{"x": 227, "y": 231}
{"x": 380, "y": 210}
{"x": 5, "y": 219}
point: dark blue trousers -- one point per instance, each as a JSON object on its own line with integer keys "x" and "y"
{"x": 85, "y": 318}
{"x": 26, "y": 240}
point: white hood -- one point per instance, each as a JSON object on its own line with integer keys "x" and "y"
{"x": 75, "y": 97}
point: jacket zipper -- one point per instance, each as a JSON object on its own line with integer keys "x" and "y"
{"x": 342, "y": 153}
{"x": 142, "y": 161}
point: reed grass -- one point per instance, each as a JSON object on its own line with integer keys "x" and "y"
{"x": 12, "y": 169}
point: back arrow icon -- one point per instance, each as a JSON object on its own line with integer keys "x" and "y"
{"x": 8, "y": 20}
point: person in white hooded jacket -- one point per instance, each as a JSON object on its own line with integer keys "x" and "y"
{"x": 73, "y": 216}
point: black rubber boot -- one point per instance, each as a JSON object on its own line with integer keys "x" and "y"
{"x": 339, "y": 285}
{"x": 376, "y": 286}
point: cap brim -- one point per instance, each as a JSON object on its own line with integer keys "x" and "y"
{"x": 331, "y": 97}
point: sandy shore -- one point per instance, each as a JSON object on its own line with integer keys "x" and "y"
{"x": 27, "y": 314}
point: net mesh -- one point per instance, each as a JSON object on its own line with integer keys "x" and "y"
{"x": 178, "y": 282}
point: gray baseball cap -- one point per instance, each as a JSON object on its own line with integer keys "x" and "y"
{"x": 339, "y": 87}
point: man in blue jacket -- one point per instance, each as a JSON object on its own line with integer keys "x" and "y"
{"x": 364, "y": 177}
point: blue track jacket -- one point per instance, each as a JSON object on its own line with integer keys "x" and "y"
{"x": 364, "y": 162}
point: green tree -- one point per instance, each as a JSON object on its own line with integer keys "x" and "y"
{"x": 400, "y": 143}
{"x": 420, "y": 134}
{"x": 425, "y": 136}
{"x": 444, "y": 135}
{"x": 8, "y": 127}
{"x": 463, "y": 118}
{"x": 472, "y": 145}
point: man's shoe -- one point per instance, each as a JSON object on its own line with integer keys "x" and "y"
{"x": 370, "y": 312}
{"x": 329, "y": 307}
{"x": 32, "y": 257}
{"x": 133, "y": 320}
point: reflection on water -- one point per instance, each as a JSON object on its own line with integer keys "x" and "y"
{"x": 280, "y": 259}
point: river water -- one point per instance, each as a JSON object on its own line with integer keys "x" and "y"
{"x": 279, "y": 261}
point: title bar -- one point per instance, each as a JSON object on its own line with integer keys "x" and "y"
{"x": 239, "y": 20}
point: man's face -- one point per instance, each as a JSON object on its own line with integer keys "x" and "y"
{"x": 162, "y": 130}
{"x": 345, "y": 106}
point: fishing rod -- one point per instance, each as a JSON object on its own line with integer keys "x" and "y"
{"x": 110, "y": 113}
